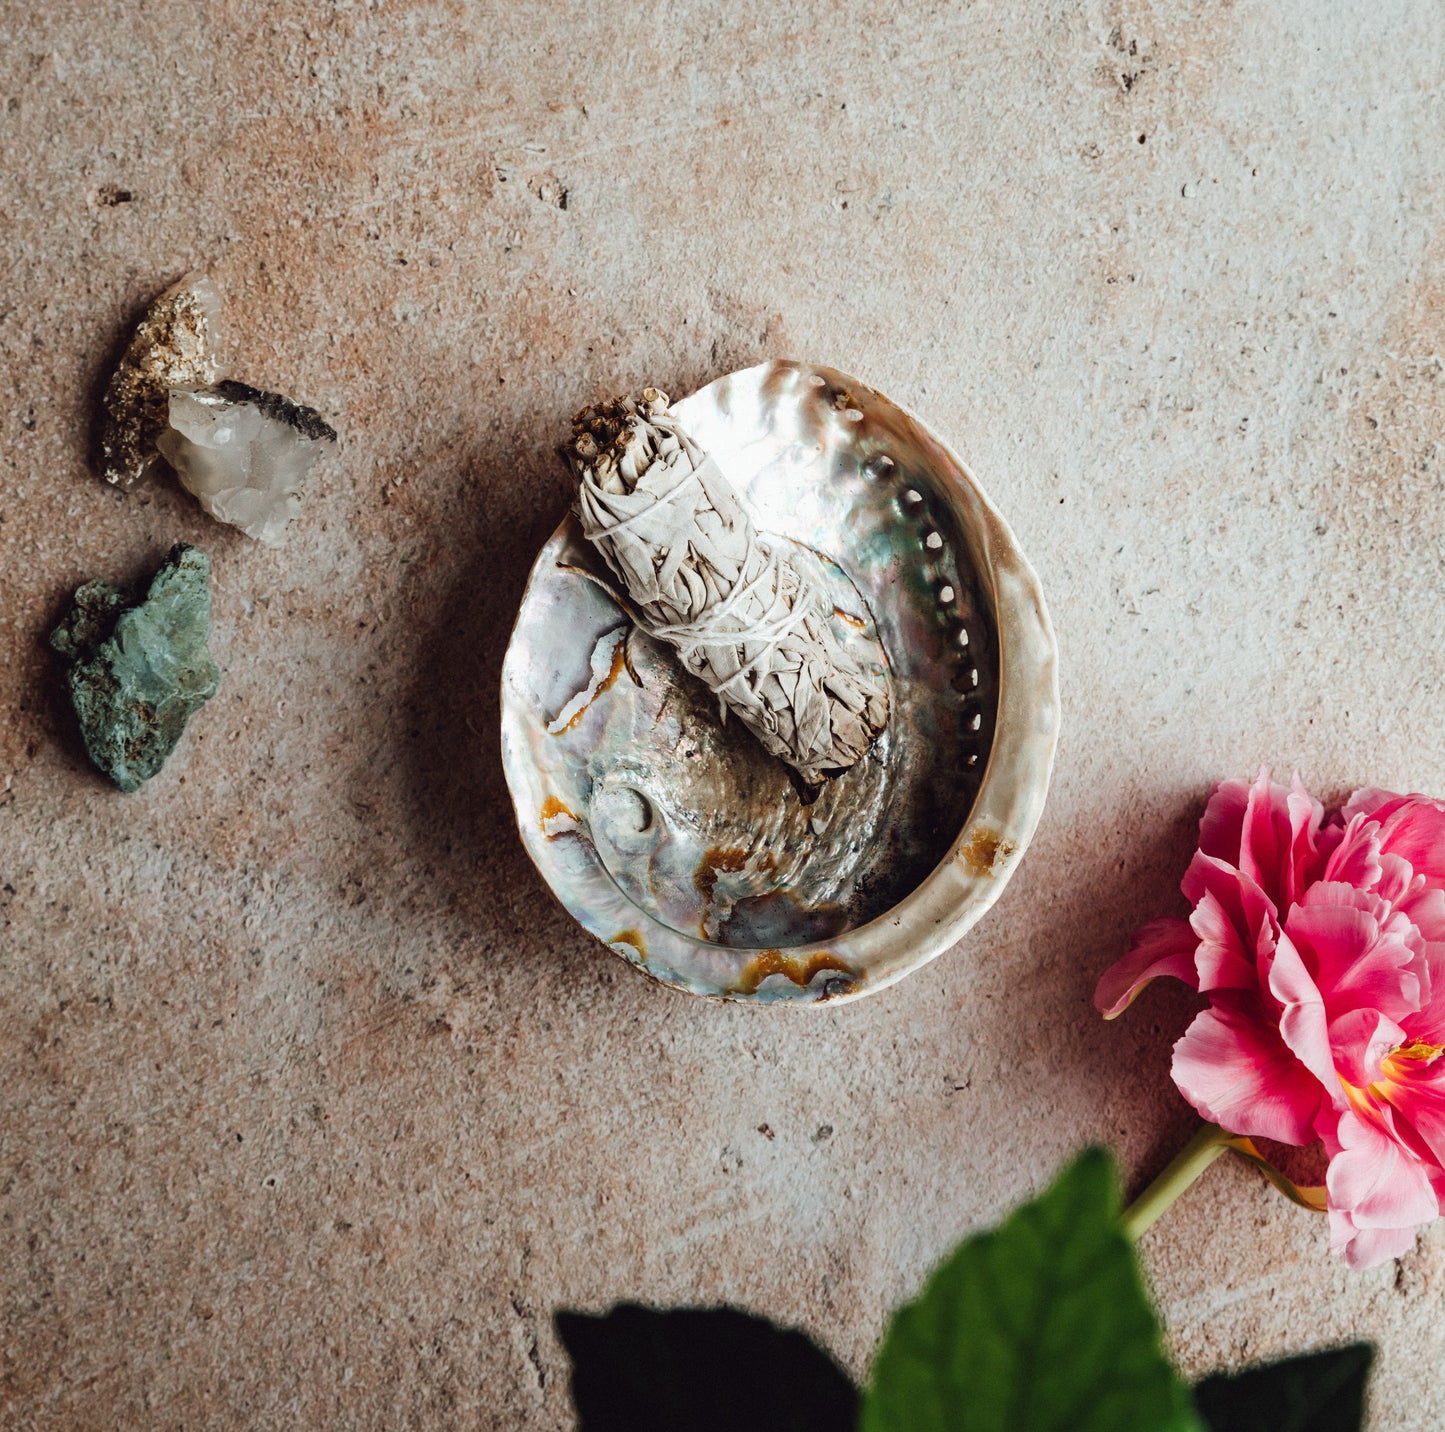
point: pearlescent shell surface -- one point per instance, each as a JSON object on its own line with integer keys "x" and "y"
{"x": 674, "y": 837}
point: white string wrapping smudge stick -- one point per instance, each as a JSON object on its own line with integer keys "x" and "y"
{"x": 743, "y": 618}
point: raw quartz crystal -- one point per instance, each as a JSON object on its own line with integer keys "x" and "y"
{"x": 742, "y": 617}
{"x": 241, "y": 451}
{"x": 244, "y": 453}
{"x": 139, "y": 671}
{"x": 173, "y": 345}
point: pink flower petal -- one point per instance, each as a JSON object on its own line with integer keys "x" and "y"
{"x": 1366, "y": 801}
{"x": 1346, "y": 897}
{"x": 1224, "y": 877}
{"x": 1234, "y": 1068}
{"x": 1162, "y": 947}
{"x": 1356, "y": 859}
{"x": 1413, "y": 827}
{"x": 1410, "y": 1101}
{"x": 1396, "y": 878}
{"x": 1221, "y": 827}
{"x": 1230, "y": 913}
{"x": 1427, "y": 1027}
{"x": 1354, "y": 962}
{"x": 1222, "y": 961}
{"x": 1367, "y": 1247}
{"x": 1425, "y": 910}
{"x": 1264, "y": 848}
{"x": 1276, "y": 835}
{"x": 1359, "y": 1042}
{"x": 1375, "y": 1181}
{"x": 1304, "y": 861}
{"x": 1304, "y": 1024}
{"x": 1327, "y": 839}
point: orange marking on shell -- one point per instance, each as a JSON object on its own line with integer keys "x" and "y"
{"x": 553, "y": 808}
{"x": 633, "y": 938}
{"x": 986, "y": 851}
{"x": 799, "y": 968}
{"x": 619, "y": 665}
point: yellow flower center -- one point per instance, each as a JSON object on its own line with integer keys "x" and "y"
{"x": 1393, "y": 1068}
{"x": 1415, "y": 1052}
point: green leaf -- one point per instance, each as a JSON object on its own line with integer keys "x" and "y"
{"x": 1320, "y": 1392}
{"x": 701, "y": 1370}
{"x": 1042, "y": 1325}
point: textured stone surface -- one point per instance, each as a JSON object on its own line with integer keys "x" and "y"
{"x": 136, "y": 678}
{"x": 315, "y": 1105}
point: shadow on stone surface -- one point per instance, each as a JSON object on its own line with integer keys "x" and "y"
{"x": 1082, "y": 892}
{"x": 1322, "y": 1391}
{"x": 462, "y": 601}
{"x": 637, "y": 1369}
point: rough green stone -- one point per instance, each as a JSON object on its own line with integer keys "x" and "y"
{"x": 89, "y": 621}
{"x": 138, "y": 677}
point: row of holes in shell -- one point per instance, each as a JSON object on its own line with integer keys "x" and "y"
{"x": 882, "y": 468}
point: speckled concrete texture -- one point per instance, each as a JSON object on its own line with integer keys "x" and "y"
{"x": 315, "y": 1105}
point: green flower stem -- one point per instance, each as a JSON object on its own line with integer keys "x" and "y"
{"x": 1186, "y": 1166}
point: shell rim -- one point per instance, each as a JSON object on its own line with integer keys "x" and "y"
{"x": 996, "y": 833}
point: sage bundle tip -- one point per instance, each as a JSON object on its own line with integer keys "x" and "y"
{"x": 743, "y": 618}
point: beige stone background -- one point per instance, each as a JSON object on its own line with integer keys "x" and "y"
{"x": 316, "y": 1106}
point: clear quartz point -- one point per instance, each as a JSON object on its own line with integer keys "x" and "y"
{"x": 244, "y": 453}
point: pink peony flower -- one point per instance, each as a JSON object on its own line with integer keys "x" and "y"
{"x": 1320, "y": 946}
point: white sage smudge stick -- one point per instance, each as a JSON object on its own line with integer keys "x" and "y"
{"x": 743, "y": 618}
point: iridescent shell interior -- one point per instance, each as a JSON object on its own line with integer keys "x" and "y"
{"x": 670, "y": 833}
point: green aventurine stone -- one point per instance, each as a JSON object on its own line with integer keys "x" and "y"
{"x": 138, "y": 677}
